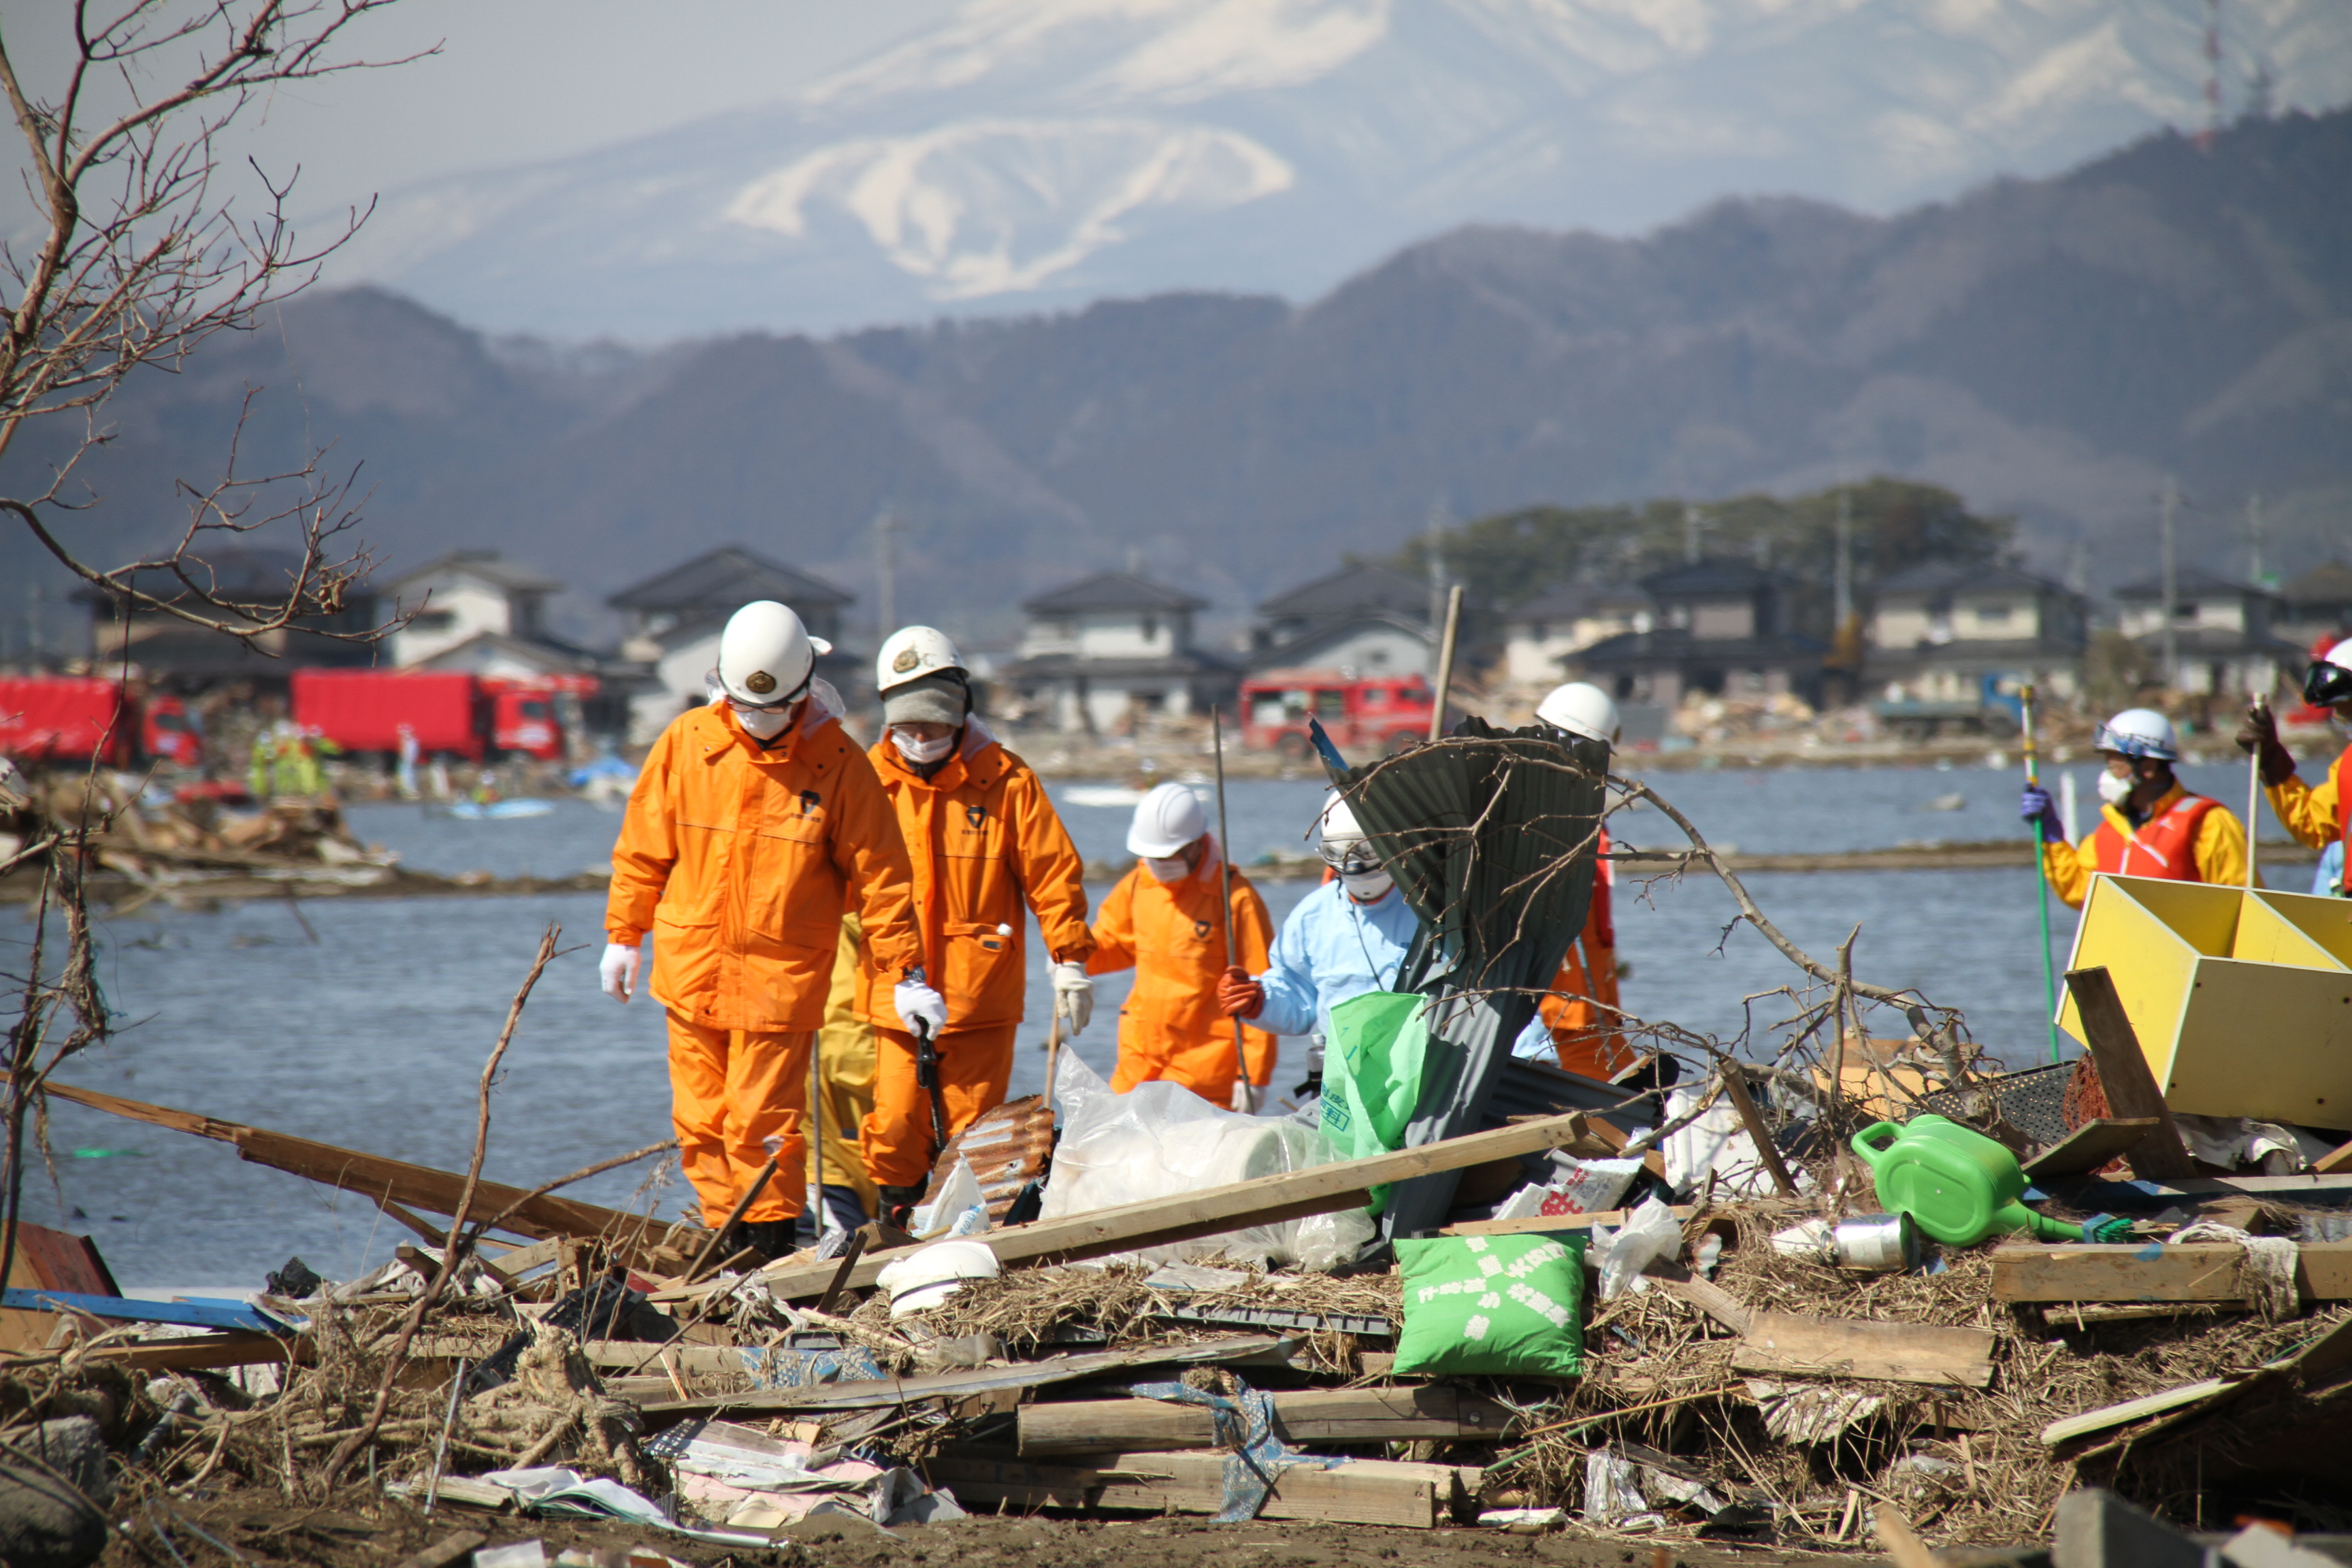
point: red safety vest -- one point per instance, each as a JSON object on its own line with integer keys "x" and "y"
{"x": 2164, "y": 848}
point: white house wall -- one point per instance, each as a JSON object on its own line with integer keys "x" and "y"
{"x": 474, "y": 607}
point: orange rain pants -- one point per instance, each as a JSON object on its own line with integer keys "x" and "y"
{"x": 730, "y": 1091}
{"x": 741, "y": 859}
{"x": 986, "y": 851}
{"x": 1585, "y": 1036}
{"x": 1174, "y": 936}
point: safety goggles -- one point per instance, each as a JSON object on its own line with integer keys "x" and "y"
{"x": 1350, "y": 858}
{"x": 2325, "y": 684}
{"x": 780, "y": 705}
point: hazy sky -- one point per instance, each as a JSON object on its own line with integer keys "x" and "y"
{"x": 507, "y": 85}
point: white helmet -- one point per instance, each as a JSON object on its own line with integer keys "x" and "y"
{"x": 1583, "y": 708}
{"x": 765, "y": 654}
{"x": 911, "y": 653}
{"x": 1166, "y": 819}
{"x": 2138, "y": 733}
{"x": 1344, "y": 846}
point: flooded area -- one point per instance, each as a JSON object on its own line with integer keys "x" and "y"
{"x": 364, "y": 1022}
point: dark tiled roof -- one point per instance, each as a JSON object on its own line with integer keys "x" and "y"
{"x": 1351, "y": 590}
{"x": 1562, "y": 601}
{"x": 1062, "y": 666}
{"x": 250, "y": 576}
{"x": 1681, "y": 647}
{"x": 2189, "y": 581}
{"x": 1111, "y": 591}
{"x": 482, "y": 563}
{"x": 1959, "y": 577}
{"x": 729, "y": 576}
{"x": 2329, "y": 583}
{"x": 1715, "y": 575}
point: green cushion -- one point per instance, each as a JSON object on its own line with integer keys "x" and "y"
{"x": 1506, "y": 1304}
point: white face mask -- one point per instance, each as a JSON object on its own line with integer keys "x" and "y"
{"x": 2113, "y": 790}
{"x": 1367, "y": 886}
{"x": 921, "y": 751}
{"x": 763, "y": 723}
{"x": 1166, "y": 868}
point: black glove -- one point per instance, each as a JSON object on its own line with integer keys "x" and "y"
{"x": 2259, "y": 735}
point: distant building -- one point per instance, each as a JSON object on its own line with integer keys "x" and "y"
{"x": 1719, "y": 626}
{"x": 672, "y": 620}
{"x": 2220, "y": 629}
{"x": 2318, "y": 606}
{"x": 1939, "y": 630}
{"x": 255, "y": 579}
{"x": 1565, "y": 619}
{"x": 1361, "y": 621}
{"x": 460, "y": 597}
{"x": 1111, "y": 651}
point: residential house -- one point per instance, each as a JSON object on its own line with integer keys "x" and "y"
{"x": 2217, "y": 631}
{"x": 672, "y": 620}
{"x": 459, "y": 597}
{"x": 1941, "y": 630}
{"x": 2319, "y": 608}
{"x": 248, "y": 584}
{"x": 1564, "y": 619}
{"x": 1360, "y": 621}
{"x": 1721, "y": 627}
{"x": 1110, "y": 652}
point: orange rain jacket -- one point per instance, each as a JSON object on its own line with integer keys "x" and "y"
{"x": 984, "y": 841}
{"x": 1586, "y": 1038}
{"x": 1170, "y": 933}
{"x": 740, "y": 860}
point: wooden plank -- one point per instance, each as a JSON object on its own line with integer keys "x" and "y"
{"x": 1544, "y": 1224}
{"x": 2131, "y": 1089}
{"x": 1791, "y": 1343}
{"x": 1428, "y": 1411}
{"x": 2090, "y": 1146}
{"x": 1363, "y": 1491}
{"x": 964, "y": 1383}
{"x": 445, "y": 1551}
{"x": 1186, "y": 1217}
{"x": 2336, "y": 1162}
{"x": 374, "y": 1176}
{"x": 2150, "y": 1271}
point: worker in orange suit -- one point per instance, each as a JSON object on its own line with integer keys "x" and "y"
{"x": 987, "y": 849}
{"x": 1579, "y": 1014}
{"x": 752, "y": 823}
{"x": 1167, "y": 920}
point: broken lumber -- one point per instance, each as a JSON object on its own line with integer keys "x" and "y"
{"x": 2151, "y": 1271}
{"x": 374, "y": 1176}
{"x": 1186, "y": 1217}
{"x": 2091, "y": 1145}
{"x": 2131, "y": 1089}
{"x": 1430, "y": 1412}
{"x": 1794, "y": 1344}
{"x": 1363, "y": 1491}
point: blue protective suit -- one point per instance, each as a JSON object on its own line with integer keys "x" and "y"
{"x": 1332, "y": 948}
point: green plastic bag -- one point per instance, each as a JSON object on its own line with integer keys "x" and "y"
{"x": 1372, "y": 1074}
{"x": 1509, "y": 1305}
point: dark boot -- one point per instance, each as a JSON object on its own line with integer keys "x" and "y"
{"x": 769, "y": 1239}
{"x": 897, "y": 1203}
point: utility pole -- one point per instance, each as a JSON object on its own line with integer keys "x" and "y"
{"x": 2254, "y": 535}
{"x": 1692, "y": 523}
{"x": 885, "y": 573}
{"x": 1844, "y": 582}
{"x": 2172, "y": 586}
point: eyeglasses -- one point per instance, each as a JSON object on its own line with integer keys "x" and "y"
{"x": 2325, "y": 684}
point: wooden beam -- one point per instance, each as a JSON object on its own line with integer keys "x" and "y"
{"x": 2201, "y": 1271}
{"x": 1363, "y": 1491}
{"x": 1795, "y": 1344}
{"x": 2090, "y": 1146}
{"x": 1429, "y": 1412}
{"x": 2131, "y": 1089}
{"x": 1186, "y": 1217}
{"x": 201, "y": 1352}
{"x": 374, "y": 1176}
{"x": 2334, "y": 1163}
{"x": 2319, "y": 1362}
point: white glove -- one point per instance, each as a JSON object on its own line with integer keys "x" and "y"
{"x": 915, "y": 999}
{"x": 1248, "y": 1096}
{"x": 1074, "y": 995}
{"x": 617, "y": 973}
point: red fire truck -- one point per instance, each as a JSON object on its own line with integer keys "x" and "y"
{"x": 450, "y": 713}
{"x": 1360, "y": 713}
{"x": 53, "y": 718}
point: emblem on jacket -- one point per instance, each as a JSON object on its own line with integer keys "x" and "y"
{"x": 810, "y": 801}
{"x": 976, "y": 815}
{"x": 1200, "y": 928}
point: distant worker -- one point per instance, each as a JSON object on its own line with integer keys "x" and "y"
{"x": 1578, "y": 1019}
{"x": 1347, "y": 937}
{"x": 986, "y": 848}
{"x": 2150, "y": 826}
{"x": 754, "y": 822}
{"x": 2314, "y": 815}
{"x": 1167, "y": 920}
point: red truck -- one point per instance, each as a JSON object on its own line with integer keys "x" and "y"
{"x": 49, "y": 718}
{"x": 1377, "y": 713}
{"x": 451, "y": 713}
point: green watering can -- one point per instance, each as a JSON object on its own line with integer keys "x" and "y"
{"x": 1955, "y": 1184}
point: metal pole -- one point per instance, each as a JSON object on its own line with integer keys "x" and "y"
{"x": 1445, "y": 662}
{"x": 1226, "y": 868}
{"x": 886, "y": 572}
{"x": 816, "y": 1194}
{"x": 2171, "y": 587}
{"x": 2259, "y": 705}
{"x": 2041, "y": 872}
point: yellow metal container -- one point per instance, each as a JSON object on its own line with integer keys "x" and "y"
{"x": 2241, "y": 997}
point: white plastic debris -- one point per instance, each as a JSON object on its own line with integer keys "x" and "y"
{"x": 929, "y": 1275}
{"x": 1649, "y": 1234}
{"x": 529, "y": 1553}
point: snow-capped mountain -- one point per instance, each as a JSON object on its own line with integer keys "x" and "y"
{"x": 1031, "y": 154}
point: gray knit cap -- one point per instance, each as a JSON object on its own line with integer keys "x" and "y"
{"x": 930, "y": 700}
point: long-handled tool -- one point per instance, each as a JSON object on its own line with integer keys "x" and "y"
{"x": 1226, "y": 868}
{"x": 2041, "y": 870}
{"x": 2255, "y": 710}
{"x": 927, "y": 1078}
{"x": 815, "y": 1197}
{"x": 1053, "y": 1052}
